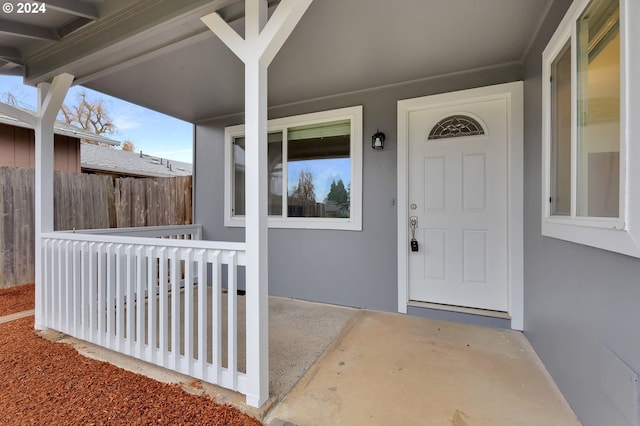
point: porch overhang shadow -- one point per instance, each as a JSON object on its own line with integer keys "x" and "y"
{"x": 136, "y": 291}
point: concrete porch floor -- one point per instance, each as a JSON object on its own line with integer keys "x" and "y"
{"x": 391, "y": 369}
{"x": 332, "y": 365}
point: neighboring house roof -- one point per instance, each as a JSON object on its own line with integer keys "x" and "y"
{"x": 109, "y": 160}
{"x": 62, "y": 128}
{"x": 105, "y": 158}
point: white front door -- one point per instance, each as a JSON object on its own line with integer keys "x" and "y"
{"x": 457, "y": 195}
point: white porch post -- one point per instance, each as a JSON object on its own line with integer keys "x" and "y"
{"x": 255, "y": 95}
{"x": 50, "y": 98}
{"x": 262, "y": 42}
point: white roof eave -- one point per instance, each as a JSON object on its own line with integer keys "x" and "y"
{"x": 62, "y": 129}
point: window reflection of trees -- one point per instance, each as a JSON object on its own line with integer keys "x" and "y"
{"x": 302, "y": 199}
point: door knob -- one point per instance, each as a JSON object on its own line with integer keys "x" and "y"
{"x": 413, "y": 223}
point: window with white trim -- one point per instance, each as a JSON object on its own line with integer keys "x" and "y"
{"x": 314, "y": 171}
{"x": 587, "y": 162}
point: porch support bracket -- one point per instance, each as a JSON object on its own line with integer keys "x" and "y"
{"x": 263, "y": 39}
{"x": 50, "y": 98}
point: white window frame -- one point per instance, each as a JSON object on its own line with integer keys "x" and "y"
{"x": 622, "y": 234}
{"x": 354, "y": 222}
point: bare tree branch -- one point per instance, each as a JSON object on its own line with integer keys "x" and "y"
{"x": 89, "y": 114}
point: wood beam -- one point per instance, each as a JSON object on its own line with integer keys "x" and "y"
{"x": 255, "y": 18}
{"x": 266, "y": 42}
{"x": 177, "y": 44}
{"x": 50, "y": 105}
{"x": 101, "y": 44}
{"x": 10, "y": 53}
{"x": 26, "y": 30}
{"x": 228, "y": 35}
{"x": 12, "y": 69}
{"x": 74, "y": 7}
{"x": 235, "y": 11}
{"x": 280, "y": 25}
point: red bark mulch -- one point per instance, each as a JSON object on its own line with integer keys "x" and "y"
{"x": 46, "y": 383}
{"x": 17, "y": 299}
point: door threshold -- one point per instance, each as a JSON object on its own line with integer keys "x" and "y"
{"x": 461, "y": 309}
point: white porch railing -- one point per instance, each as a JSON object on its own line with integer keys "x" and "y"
{"x": 181, "y": 232}
{"x": 160, "y": 301}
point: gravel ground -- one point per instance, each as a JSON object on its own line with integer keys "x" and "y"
{"x": 16, "y": 299}
{"x": 48, "y": 383}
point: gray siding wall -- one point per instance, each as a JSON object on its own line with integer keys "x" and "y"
{"x": 342, "y": 267}
{"x": 582, "y": 305}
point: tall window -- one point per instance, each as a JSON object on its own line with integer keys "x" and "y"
{"x": 596, "y": 153}
{"x": 274, "y": 181}
{"x": 586, "y": 141}
{"x": 314, "y": 171}
{"x": 561, "y": 133}
{"x": 598, "y": 98}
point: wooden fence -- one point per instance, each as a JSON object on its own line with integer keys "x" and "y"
{"x": 82, "y": 201}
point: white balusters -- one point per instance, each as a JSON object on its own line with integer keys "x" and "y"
{"x": 152, "y": 305}
{"x": 174, "y": 267}
{"x": 188, "y": 331}
{"x": 163, "y": 288}
{"x": 200, "y": 259}
{"x": 216, "y": 316}
{"x": 139, "y": 303}
{"x": 232, "y": 320}
{"x": 148, "y": 298}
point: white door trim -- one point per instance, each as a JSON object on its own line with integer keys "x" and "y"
{"x": 513, "y": 94}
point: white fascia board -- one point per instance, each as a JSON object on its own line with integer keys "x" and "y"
{"x": 58, "y": 129}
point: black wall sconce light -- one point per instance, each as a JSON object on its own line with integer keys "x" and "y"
{"x": 377, "y": 140}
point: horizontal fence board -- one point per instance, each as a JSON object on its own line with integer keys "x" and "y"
{"x": 82, "y": 201}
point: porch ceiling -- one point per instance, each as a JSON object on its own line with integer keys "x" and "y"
{"x": 158, "y": 54}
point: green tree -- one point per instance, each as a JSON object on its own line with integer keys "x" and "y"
{"x": 338, "y": 193}
{"x": 337, "y": 201}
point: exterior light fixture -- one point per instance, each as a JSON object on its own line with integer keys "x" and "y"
{"x": 377, "y": 140}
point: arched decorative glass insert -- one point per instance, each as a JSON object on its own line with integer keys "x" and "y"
{"x": 456, "y": 126}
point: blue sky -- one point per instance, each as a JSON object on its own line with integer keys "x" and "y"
{"x": 324, "y": 172}
{"x": 153, "y": 133}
